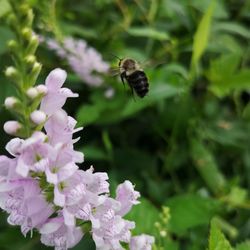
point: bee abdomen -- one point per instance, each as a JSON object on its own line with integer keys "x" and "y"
{"x": 139, "y": 82}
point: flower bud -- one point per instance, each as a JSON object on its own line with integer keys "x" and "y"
{"x": 12, "y": 73}
{"x": 35, "y": 71}
{"x": 29, "y": 18}
{"x": 12, "y": 21}
{"x": 12, "y": 44}
{"x": 27, "y": 33}
{"x": 10, "y": 102}
{"x": 42, "y": 89}
{"x": 32, "y": 93}
{"x": 30, "y": 59}
{"x": 38, "y": 117}
{"x": 12, "y": 127}
{"x": 24, "y": 9}
{"x": 33, "y": 43}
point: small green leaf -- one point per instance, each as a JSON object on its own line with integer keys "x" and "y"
{"x": 189, "y": 211}
{"x": 243, "y": 246}
{"x": 145, "y": 215}
{"x": 5, "y": 7}
{"x": 87, "y": 114}
{"x": 158, "y": 92}
{"x": 217, "y": 240}
{"x": 202, "y": 35}
{"x": 233, "y": 28}
{"x": 93, "y": 153}
{"x": 5, "y": 34}
{"x": 148, "y": 32}
{"x": 207, "y": 166}
{"x": 237, "y": 196}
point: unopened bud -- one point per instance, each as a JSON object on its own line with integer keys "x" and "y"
{"x": 33, "y": 43}
{"x": 10, "y": 71}
{"x": 30, "y": 59}
{"x": 37, "y": 67}
{"x": 35, "y": 72}
{"x": 27, "y": 33}
{"x": 32, "y": 93}
{"x": 163, "y": 233}
{"x": 12, "y": 21}
{"x": 42, "y": 89}
{"x": 38, "y": 117}
{"x": 12, "y": 127}
{"x": 24, "y": 8}
{"x": 12, "y": 44}
{"x": 10, "y": 102}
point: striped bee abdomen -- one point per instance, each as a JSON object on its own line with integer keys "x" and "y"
{"x": 139, "y": 82}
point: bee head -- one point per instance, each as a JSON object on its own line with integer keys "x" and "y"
{"x": 128, "y": 64}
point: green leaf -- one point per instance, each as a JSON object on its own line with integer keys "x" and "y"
{"x": 5, "y": 7}
{"x": 189, "y": 211}
{"x": 207, "y": 166}
{"x": 5, "y": 34}
{"x": 223, "y": 76}
{"x": 157, "y": 92}
{"x": 202, "y": 35}
{"x": 148, "y": 32}
{"x": 243, "y": 246}
{"x": 93, "y": 153}
{"x": 233, "y": 28}
{"x": 217, "y": 240}
{"x": 87, "y": 114}
{"x": 145, "y": 215}
{"x": 86, "y": 243}
{"x": 223, "y": 85}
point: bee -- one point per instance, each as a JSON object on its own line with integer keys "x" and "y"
{"x": 131, "y": 71}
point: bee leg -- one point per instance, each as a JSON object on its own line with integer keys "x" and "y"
{"x": 123, "y": 77}
{"x": 132, "y": 91}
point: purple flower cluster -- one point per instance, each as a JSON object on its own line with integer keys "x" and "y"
{"x": 42, "y": 188}
{"x": 85, "y": 61}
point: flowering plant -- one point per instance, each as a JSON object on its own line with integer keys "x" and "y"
{"x": 43, "y": 189}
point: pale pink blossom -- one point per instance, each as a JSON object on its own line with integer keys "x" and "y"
{"x": 56, "y": 234}
{"x": 42, "y": 187}
{"x": 127, "y": 196}
{"x": 141, "y": 242}
{"x": 85, "y": 61}
{"x": 56, "y": 96}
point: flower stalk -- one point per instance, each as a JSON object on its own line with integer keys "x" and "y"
{"x": 26, "y": 69}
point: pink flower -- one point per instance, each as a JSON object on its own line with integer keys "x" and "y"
{"x": 61, "y": 127}
{"x": 42, "y": 188}
{"x": 127, "y": 196}
{"x": 56, "y": 96}
{"x": 84, "y": 60}
{"x": 141, "y": 242}
{"x": 56, "y": 234}
{"x": 25, "y": 203}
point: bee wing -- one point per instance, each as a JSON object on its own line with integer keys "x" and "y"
{"x": 114, "y": 71}
{"x": 152, "y": 64}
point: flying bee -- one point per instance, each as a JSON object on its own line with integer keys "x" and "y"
{"x": 131, "y": 71}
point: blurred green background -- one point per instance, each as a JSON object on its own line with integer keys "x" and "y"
{"x": 186, "y": 145}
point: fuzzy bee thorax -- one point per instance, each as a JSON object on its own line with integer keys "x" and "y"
{"x": 129, "y": 66}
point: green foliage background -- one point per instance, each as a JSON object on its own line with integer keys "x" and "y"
{"x": 186, "y": 145}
